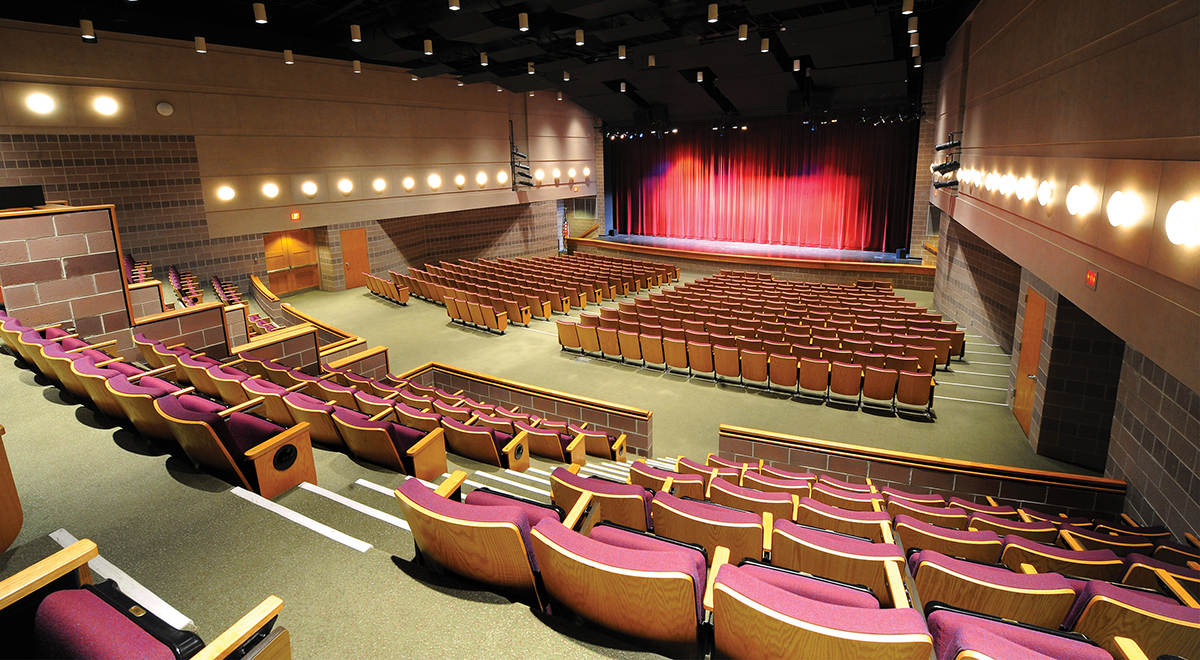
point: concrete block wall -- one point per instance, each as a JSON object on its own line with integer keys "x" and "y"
{"x": 976, "y": 285}
{"x": 925, "y": 155}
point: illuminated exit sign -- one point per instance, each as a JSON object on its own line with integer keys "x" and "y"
{"x": 1090, "y": 280}
{"x": 296, "y": 217}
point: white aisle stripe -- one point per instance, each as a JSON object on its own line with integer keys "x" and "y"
{"x": 376, "y": 487}
{"x": 512, "y": 483}
{"x": 129, "y": 586}
{"x": 660, "y": 465}
{"x": 302, "y": 520}
{"x": 981, "y": 387}
{"x": 359, "y": 507}
{"x": 603, "y": 473}
{"x": 987, "y": 403}
{"x": 605, "y": 468}
{"x": 537, "y": 471}
{"x": 528, "y": 476}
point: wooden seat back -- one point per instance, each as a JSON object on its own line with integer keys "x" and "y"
{"x": 627, "y": 510}
{"x": 799, "y": 554}
{"x": 742, "y": 539}
{"x": 321, "y": 426}
{"x": 1040, "y": 607}
{"x": 987, "y": 551}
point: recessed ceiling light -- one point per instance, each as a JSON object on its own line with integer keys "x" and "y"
{"x": 225, "y": 193}
{"x": 40, "y": 103}
{"x": 379, "y": 185}
{"x": 270, "y": 191}
{"x": 309, "y": 189}
{"x": 105, "y": 105}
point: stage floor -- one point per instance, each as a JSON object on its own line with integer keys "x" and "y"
{"x": 759, "y": 250}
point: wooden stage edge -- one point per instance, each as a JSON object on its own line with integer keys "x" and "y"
{"x": 770, "y": 262}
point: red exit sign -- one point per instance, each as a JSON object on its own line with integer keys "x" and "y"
{"x": 1090, "y": 280}
{"x": 295, "y": 216}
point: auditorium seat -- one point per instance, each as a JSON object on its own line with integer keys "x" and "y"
{"x": 781, "y": 506}
{"x": 1040, "y": 599}
{"x": 487, "y": 445}
{"x": 461, "y": 414}
{"x": 685, "y": 465}
{"x": 709, "y": 525}
{"x": 568, "y": 338}
{"x": 318, "y": 415}
{"x": 772, "y": 484}
{"x": 136, "y": 399}
{"x": 879, "y": 386}
{"x": 950, "y": 517}
{"x": 631, "y": 350}
{"x": 928, "y": 499}
{"x": 635, "y": 585}
{"x": 548, "y": 443}
{"x": 227, "y": 379}
{"x": 842, "y": 498}
{"x": 242, "y": 449}
{"x": 754, "y": 365}
{"x": 1076, "y": 538}
{"x": 915, "y": 390}
{"x": 623, "y": 504}
{"x": 54, "y": 610}
{"x": 962, "y": 635}
{"x": 845, "y": 381}
{"x": 1039, "y": 532}
{"x": 1142, "y": 571}
{"x": 397, "y": 447}
{"x": 1083, "y": 564}
{"x": 273, "y": 407}
{"x": 652, "y": 478}
{"x": 783, "y": 372}
{"x": 700, "y": 359}
{"x": 997, "y": 510}
{"x": 419, "y": 419}
{"x": 599, "y": 443}
{"x": 873, "y": 525}
{"x": 589, "y": 338}
{"x": 983, "y": 546}
{"x": 328, "y": 390}
{"x": 1159, "y": 625}
{"x": 760, "y": 615}
{"x": 727, "y": 363}
{"x": 484, "y": 538}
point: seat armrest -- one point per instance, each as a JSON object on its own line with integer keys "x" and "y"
{"x": 429, "y": 455}
{"x": 152, "y": 372}
{"x": 1128, "y": 649}
{"x": 895, "y": 585}
{"x": 575, "y": 451}
{"x": 721, "y": 556}
{"x": 518, "y": 452}
{"x": 277, "y": 441}
{"x": 581, "y": 510}
{"x": 245, "y": 405}
{"x": 451, "y": 484}
{"x": 618, "y": 448}
{"x": 237, "y": 634}
{"x": 768, "y": 524}
{"x": 72, "y": 558}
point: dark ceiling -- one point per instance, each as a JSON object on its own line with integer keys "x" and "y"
{"x": 857, "y": 51}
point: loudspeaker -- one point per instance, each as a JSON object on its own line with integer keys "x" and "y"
{"x": 902, "y": 253}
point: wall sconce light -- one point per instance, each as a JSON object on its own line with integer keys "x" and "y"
{"x": 1125, "y": 208}
{"x": 587, "y": 171}
{"x": 907, "y": 7}
{"x": 260, "y": 13}
{"x": 379, "y": 185}
{"x": 1183, "y": 223}
{"x": 408, "y": 184}
{"x": 539, "y": 175}
{"x": 435, "y": 182}
{"x": 225, "y": 193}
{"x": 556, "y": 174}
{"x": 1081, "y": 200}
{"x": 622, "y": 88}
{"x": 1045, "y": 193}
{"x": 795, "y": 66}
{"x": 560, "y": 96}
{"x": 309, "y": 189}
{"x": 529, "y": 68}
{"x": 699, "y": 76}
{"x": 460, "y": 181}
{"x": 566, "y": 76}
{"x": 105, "y": 105}
{"x": 571, "y": 174}
{"x": 270, "y": 190}
{"x": 501, "y": 177}
{"x": 454, "y": 6}
{"x": 917, "y": 62}
{"x": 86, "y": 31}
{"x": 481, "y": 179}
{"x": 912, "y": 24}
{"x": 346, "y": 186}
{"x": 914, "y": 40}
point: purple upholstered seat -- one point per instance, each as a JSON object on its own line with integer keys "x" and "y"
{"x": 737, "y": 491}
{"x": 200, "y": 361}
{"x": 1121, "y": 545}
{"x": 953, "y": 632}
{"x": 844, "y": 485}
{"x": 127, "y": 370}
{"x": 402, "y": 437}
{"x": 619, "y": 549}
{"x": 1056, "y": 520}
{"x": 239, "y": 432}
{"x": 982, "y": 536}
{"x": 935, "y": 510}
{"x": 228, "y": 372}
{"x": 823, "y": 614}
{"x": 1150, "y": 562}
{"x": 700, "y": 467}
{"x": 1102, "y": 555}
{"x": 928, "y": 499}
{"x": 830, "y": 510}
{"x": 563, "y": 438}
{"x": 75, "y": 623}
{"x": 499, "y": 438}
{"x": 717, "y": 461}
{"x": 983, "y": 508}
{"x": 1176, "y": 553}
{"x": 259, "y": 386}
{"x": 55, "y": 333}
{"x": 651, "y": 471}
{"x": 839, "y": 543}
{"x": 88, "y": 367}
{"x": 333, "y": 386}
{"x": 147, "y": 385}
{"x": 1105, "y": 526}
{"x": 367, "y": 397}
{"x": 776, "y": 472}
{"x": 842, "y": 494}
{"x": 818, "y": 590}
{"x": 409, "y": 410}
{"x": 535, "y": 512}
{"x": 1012, "y": 523}
{"x": 303, "y": 377}
{"x": 361, "y": 382}
{"x": 71, "y": 343}
{"x": 414, "y": 490}
{"x": 706, "y": 511}
{"x": 1153, "y": 603}
{"x": 1001, "y": 577}
{"x": 309, "y": 403}
{"x": 604, "y": 487}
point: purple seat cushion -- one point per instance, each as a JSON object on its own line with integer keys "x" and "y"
{"x": 72, "y": 343}
{"x": 202, "y": 361}
{"x": 1036, "y": 526}
{"x": 860, "y": 516}
{"x": 53, "y": 350}
{"x": 994, "y": 574}
{"x": 721, "y": 471}
{"x": 776, "y": 472}
{"x": 306, "y": 402}
{"x": 249, "y": 431}
{"x": 919, "y": 498}
{"x": 371, "y": 398}
{"x": 55, "y": 333}
{"x": 650, "y": 471}
{"x": 934, "y": 510}
{"x": 147, "y": 385}
{"x": 604, "y": 487}
{"x": 499, "y": 438}
{"x": 984, "y": 508}
{"x": 776, "y": 481}
{"x": 125, "y": 369}
{"x": 845, "y": 494}
{"x": 720, "y": 514}
{"x": 75, "y": 623}
{"x": 1174, "y": 569}
{"x": 946, "y": 532}
{"x": 238, "y": 433}
{"x": 844, "y": 485}
{"x": 625, "y": 550}
{"x": 953, "y": 632}
{"x": 403, "y": 437}
{"x": 721, "y": 484}
{"x": 97, "y": 356}
{"x": 1153, "y": 603}
{"x": 814, "y": 589}
{"x": 335, "y": 387}
{"x": 564, "y": 440}
{"x": 263, "y": 386}
{"x": 198, "y": 404}
{"x": 301, "y": 376}
{"x": 904, "y": 621}
{"x": 1062, "y": 553}
{"x": 414, "y": 490}
{"x": 228, "y": 372}
{"x": 88, "y": 368}
{"x": 839, "y": 543}
{"x": 536, "y": 513}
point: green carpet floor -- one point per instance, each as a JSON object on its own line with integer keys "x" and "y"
{"x": 213, "y": 556}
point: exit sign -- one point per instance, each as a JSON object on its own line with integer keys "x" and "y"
{"x": 1090, "y": 280}
{"x": 295, "y": 216}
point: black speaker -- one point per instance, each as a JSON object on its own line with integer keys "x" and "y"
{"x": 15, "y": 197}
{"x": 902, "y": 253}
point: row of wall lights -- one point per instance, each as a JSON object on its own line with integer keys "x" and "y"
{"x": 1125, "y": 208}
{"x": 346, "y": 186}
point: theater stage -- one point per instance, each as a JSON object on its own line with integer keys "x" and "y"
{"x": 784, "y": 261}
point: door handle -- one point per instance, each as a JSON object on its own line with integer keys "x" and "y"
{"x": 346, "y": 264}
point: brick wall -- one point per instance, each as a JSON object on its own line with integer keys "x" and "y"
{"x": 976, "y": 285}
{"x": 518, "y": 230}
{"x": 154, "y": 183}
{"x": 1155, "y": 445}
{"x": 601, "y": 208}
{"x": 63, "y": 268}
{"x": 920, "y": 214}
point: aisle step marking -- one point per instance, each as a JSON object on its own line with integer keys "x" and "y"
{"x": 488, "y": 475}
{"x": 600, "y": 469}
{"x": 528, "y": 476}
{"x": 302, "y": 520}
{"x": 129, "y": 586}
{"x": 986, "y": 403}
{"x": 357, "y": 506}
{"x": 981, "y": 387}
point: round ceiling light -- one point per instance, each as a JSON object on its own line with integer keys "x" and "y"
{"x": 346, "y": 186}
{"x": 225, "y": 193}
{"x": 1183, "y": 223}
{"x": 40, "y": 103}
{"x": 309, "y": 189}
{"x": 270, "y": 190}
{"x": 105, "y": 105}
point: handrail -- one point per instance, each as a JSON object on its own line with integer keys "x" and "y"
{"x": 262, "y": 289}
{"x": 324, "y": 326}
{"x": 182, "y": 311}
{"x": 281, "y": 335}
{"x": 988, "y": 470}
{"x": 357, "y": 357}
{"x": 23, "y": 211}
{"x": 594, "y": 228}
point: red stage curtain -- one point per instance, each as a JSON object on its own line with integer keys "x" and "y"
{"x": 844, "y": 185}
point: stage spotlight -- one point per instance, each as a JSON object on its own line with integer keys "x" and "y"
{"x": 946, "y": 168}
{"x": 952, "y": 144}
{"x": 953, "y": 183}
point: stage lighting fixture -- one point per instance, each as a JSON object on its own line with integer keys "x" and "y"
{"x": 260, "y": 13}
{"x": 953, "y": 183}
{"x": 529, "y": 68}
{"x": 742, "y": 31}
{"x": 523, "y": 22}
{"x": 287, "y": 57}
{"x": 945, "y": 168}
{"x": 578, "y": 37}
{"x": 358, "y": 67}
{"x": 201, "y": 45}
{"x": 429, "y": 46}
{"x": 907, "y": 7}
{"x": 454, "y": 6}
{"x": 712, "y": 13}
{"x": 952, "y": 144}
{"x": 483, "y": 59}
{"x": 86, "y": 31}
{"x": 620, "y": 52}
{"x": 355, "y": 34}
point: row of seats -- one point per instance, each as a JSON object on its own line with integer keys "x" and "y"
{"x": 387, "y": 289}
{"x": 187, "y": 289}
{"x": 517, "y": 307}
{"x": 229, "y": 294}
{"x": 649, "y": 557}
{"x": 462, "y": 309}
{"x": 136, "y": 272}
{"x": 864, "y": 378}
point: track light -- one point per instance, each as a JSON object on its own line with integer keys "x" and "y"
{"x": 907, "y": 7}
{"x": 699, "y": 76}
{"x": 483, "y": 59}
{"x": 357, "y": 66}
{"x": 201, "y": 45}
{"x": 620, "y": 52}
{"x": 87, "y": 31}
{"x": 912, "y": 24}
{"x": 914, "y": 40}
{"x": 622, "y": 88}
{"x": 945, "y": 167}
{"x": 953, "y": 183}
{"x": 952, "y": 144}
{"x": 916, "y": 52}
{"x": 454, "y": 6}
{"x": 260, "y": 13}
{"x": 429, "y": 46}
{"x": 529, "y": 68}
{"x": 743, "y": 30}
{"x": 560, "y": 96}
{"x": 917, "y": 62}
{"x": 523, "y": 22}
{"x": 765, "y": 45}
{"x": 578, "y": 37}
{"x": 287, "y": 57}
{"x": 566, "y": 76}
{"x": 796, "y": 65}
{"x": 355, "y": 34}
{"x": 650, "y": 61}
{"x": 712, "y": 13}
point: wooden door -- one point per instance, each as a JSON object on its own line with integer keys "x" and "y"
{"x": 1031, "y": 353}
{"x": 291, "y": 260}
{"x": 355, "y": 261}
